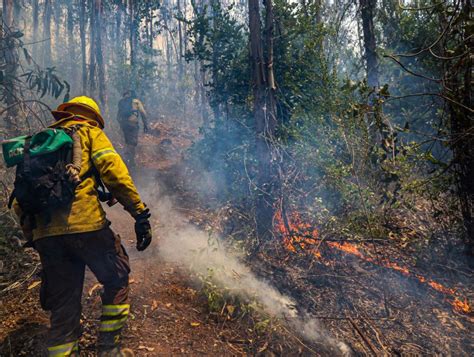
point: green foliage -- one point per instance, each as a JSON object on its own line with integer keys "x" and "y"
{"x": 348, "y": 154}
{"x": 219, "y": 42}
{"x": 47, "y": 82}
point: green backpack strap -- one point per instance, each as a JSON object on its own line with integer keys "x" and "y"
{"x": 27, "y": 156}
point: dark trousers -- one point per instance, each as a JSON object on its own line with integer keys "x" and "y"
{"x": 130, "y": 128}
{"x": 64, "y": 259}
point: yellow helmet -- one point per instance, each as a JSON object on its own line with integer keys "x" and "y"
{"x": 86, "y": 103}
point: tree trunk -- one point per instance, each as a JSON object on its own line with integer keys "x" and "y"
{"x": 35, "y": 28}
{"x": 133, "y": 33}
{"x": 216, "y": 110}
{"x": 117, "y": 44}
{"x": 458, "y": 79}
{"x": 17, "y": 10}
{"x": 169, "y": 50}
{"x": 185, "y": 27}
{"x": 180, "y": 38}
{"x": 183, "y": 49}
{"x": 57, "y": 25}
{"x": 264, "y": 115}
{"x": 82, "y": 28}
{"x": 71, "y": 43}
{"x": 99, "y": 58}
{"x": 10, "y": 53}
{"x": 367, "y": 8}
{"x": 203, "y": 97}
{"x": 47, "y": 33}
{"x": 150, "y": 30}
{"x": 92, "y": 47}
{"x": 7, "y": 16}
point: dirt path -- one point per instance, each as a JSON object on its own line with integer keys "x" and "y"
{"x": 169, "y": 316}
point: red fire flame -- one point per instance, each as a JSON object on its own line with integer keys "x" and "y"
{"x": 299, "y": 235}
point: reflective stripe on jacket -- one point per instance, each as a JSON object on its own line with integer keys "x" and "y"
{"x": 86, "y": 213}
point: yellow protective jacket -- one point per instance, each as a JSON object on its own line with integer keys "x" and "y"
{"x": 86, "y": 213}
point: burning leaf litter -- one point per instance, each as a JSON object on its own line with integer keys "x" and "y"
{"x": 299, "y": 235}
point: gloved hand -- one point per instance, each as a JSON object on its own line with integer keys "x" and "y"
{"x": 143, "y": 230}
{"x": 146, "y": 129}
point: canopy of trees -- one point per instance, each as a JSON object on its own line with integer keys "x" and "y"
{"x": 344, "y": 111}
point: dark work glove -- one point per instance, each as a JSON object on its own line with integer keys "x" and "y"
{"x": 146, "y": 129}
{"x": 143, "y": 230}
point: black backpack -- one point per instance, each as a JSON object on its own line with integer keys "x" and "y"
{"x": 125, "y": 108}
{"x": 42, "y": 182}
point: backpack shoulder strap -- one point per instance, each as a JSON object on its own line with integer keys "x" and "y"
{"x": 27, "y": 157}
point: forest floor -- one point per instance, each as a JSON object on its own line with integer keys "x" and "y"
{"x": 169, "y": 316}
{"x": 376, "y": 308}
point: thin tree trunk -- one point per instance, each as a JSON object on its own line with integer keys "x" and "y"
{"x": 98, "y": 51}
{"x": 117, "y": 45}
{"x": 185, "y": 49}
{"x": 185, "y": 27}
{"x": 35, "y": 28}
{"x": 367, "y": 8}
{"x": 197, "y": 89}
{"x": 57, "y": 25}
{"x": 215, "y": 106}
{"x": 203, "y": 97}
{"x": 180, "y": 38}
{"x": 168, "y": 50}
{"x": 133, "y": 30}
{"x": 82, "y": 28}
{"x": 318, "y": 18}
{"x": 265, "y": 116}
{"x": 10, "y": 53}
{"x": 7, "y": 16}
{"x": 150, "y": 30}
{"x": 47, "y": 33}
{"x": 16, "y": 11}
{"x": 70, "y": 42}
{"x": 92, "y": 47}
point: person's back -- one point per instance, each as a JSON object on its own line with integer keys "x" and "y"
{"x": 130, "y": 109}
{"x": 125, "y": 108}
{"x": 80, "y": 236}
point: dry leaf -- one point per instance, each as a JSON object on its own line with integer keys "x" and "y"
{"x": 263, "y": 348}
{"x": 94, "y": 288}
{"x": 168, "y": 304}
{"x": 230, "y": 309}
{"x": 149, "y": 349}
{"x": 34, "y": 284}
{"x": 154, "y": 305}
{"x": 195, "y": 324}
{"x": 459, "y": 325}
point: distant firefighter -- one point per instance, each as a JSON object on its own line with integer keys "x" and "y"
{"x": 130, "y": 110}
{"x": 56, "y": 195}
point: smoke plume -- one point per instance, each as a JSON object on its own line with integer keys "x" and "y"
{"x": 186, "y": 245}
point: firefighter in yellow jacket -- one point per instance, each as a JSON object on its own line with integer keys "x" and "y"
{"x": 79, "y": 237}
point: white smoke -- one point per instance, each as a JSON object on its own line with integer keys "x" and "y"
{"x": 183, "y": 243}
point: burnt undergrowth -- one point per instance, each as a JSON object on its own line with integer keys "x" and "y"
{"x": 375, "y": 309}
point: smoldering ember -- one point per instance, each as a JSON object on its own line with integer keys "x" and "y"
{"x": 236, "y": 178}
